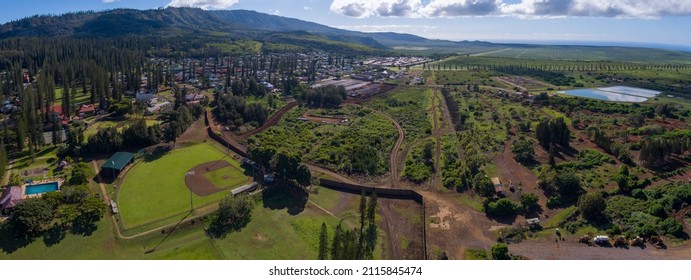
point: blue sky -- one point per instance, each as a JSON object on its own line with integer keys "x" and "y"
{"x": 645, "y": 21}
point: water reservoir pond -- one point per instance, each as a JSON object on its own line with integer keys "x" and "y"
{"x": 618, "y": 94}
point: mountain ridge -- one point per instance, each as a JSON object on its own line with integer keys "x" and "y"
{"x": 252, "y": 25}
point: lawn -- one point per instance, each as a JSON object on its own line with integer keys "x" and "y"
{"x": 277, "y": 233}
{"x": 226, "y": 177}
{"x": 95, "y": 127}
{"x": 187, "y": 243}
{"x": 155, "y": 190}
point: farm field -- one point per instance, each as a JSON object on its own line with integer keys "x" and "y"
{"x": 585, "y": 53}
{"x": 155, "y": 189}
{"x": 408, "y": 105}
{"x": 340, "y": 147}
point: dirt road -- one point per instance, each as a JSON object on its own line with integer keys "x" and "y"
{"x": 572, "y": 250}
{"x": 270, "y": 122}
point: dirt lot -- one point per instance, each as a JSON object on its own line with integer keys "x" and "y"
{"x": 403, "y": 226}
{"x": 196, "y": 133}
{"x": 455, "y": 228}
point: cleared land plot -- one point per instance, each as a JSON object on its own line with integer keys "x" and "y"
{"x": 154, "y": 190}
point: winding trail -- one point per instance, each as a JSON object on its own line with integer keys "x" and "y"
{"x": 393, "y": 160}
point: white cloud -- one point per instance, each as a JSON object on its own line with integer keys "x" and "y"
{"x": 521, "y": 8}
{"x": 110, "y": 1}
{"x": 405, "y": 28}
{"x": 204, "y": 4}
{"x": 384, "y": 8}
{"x": 307, "y": 8}
{"x": 604, "y": 8}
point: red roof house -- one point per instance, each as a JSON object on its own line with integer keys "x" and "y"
{"x": 10, "y": 197}
{"x": 87, "y": 110}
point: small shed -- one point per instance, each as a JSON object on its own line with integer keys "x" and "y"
{"x": 116, "y": 163}
{"x": 114, "y": 206}
{"x": 497, "y": 186}
{"x": 533, "y": 222}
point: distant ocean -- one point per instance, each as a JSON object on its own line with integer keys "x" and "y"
{"x": 601, "y": 44}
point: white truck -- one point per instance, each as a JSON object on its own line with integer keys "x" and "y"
{"x": 601, "y": 239}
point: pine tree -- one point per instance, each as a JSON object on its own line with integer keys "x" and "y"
{"x": 3, "y": 158}
{"x": 336, "y": 243}
{"x": 323, "y": 240}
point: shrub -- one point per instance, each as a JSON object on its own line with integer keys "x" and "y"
{"x": 502, "y": 207}
{"x": 554, "y": 201}
{"x": 529, "y": 202}
{"x": 591, "y": 206}
{"x": 671, "y": 227}
{"x": 500, "y": 251}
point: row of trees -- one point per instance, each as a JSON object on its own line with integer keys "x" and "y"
{"x": 656, "y": 152}
{"x": 553, "y": 132}
{"x": 326, "y": 96}
{"x": 235, "y": 110}
{"x": 356, "y": 244}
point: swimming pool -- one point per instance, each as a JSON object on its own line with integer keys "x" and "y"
{"x": 618, "y": 94}
{"x": 41, "y": 188}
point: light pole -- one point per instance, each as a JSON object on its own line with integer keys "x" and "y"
{"x": 191, "y": 202}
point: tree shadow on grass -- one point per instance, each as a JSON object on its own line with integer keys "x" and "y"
{"x": 507, "y": 220}
{"x": 12, "y": 239}
{"x": 54, "y": 235}
{"x": 84, "y": 227}
{"x": 287, "y": 197}
{"x": 157, "y": 152}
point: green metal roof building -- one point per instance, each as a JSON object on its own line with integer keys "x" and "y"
{"x": 116, "y": 163}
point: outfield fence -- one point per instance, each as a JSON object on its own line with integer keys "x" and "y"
{"x": 404, "y": 194}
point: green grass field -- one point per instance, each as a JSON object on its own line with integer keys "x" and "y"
{"x": 276, "y": 234}
{"x": 156, "y": 190}
{"x": 226, "y": 177}
{"x": 95, "y": 127}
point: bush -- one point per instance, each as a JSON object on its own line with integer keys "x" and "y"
{"x": 568, "y": 183}
{"x": 500, "y": 251}
{"x": 529, "y": 201}
{"x": 591, "y": 206}
{"x": 671, "y": 227}
{"x": 502, "y": 207}
{"x": 523, "y": 150}
{"x": 554, "y": 201}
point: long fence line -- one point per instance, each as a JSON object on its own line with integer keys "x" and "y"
{"x": 218, "y": 136}
{"x": 405, "y": 194}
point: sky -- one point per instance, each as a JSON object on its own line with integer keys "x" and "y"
{"x": 664, "y": 22}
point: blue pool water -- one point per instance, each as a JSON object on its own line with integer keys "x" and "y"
{"x": 618, "y": 94}
{"x": 41, "y": 188}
